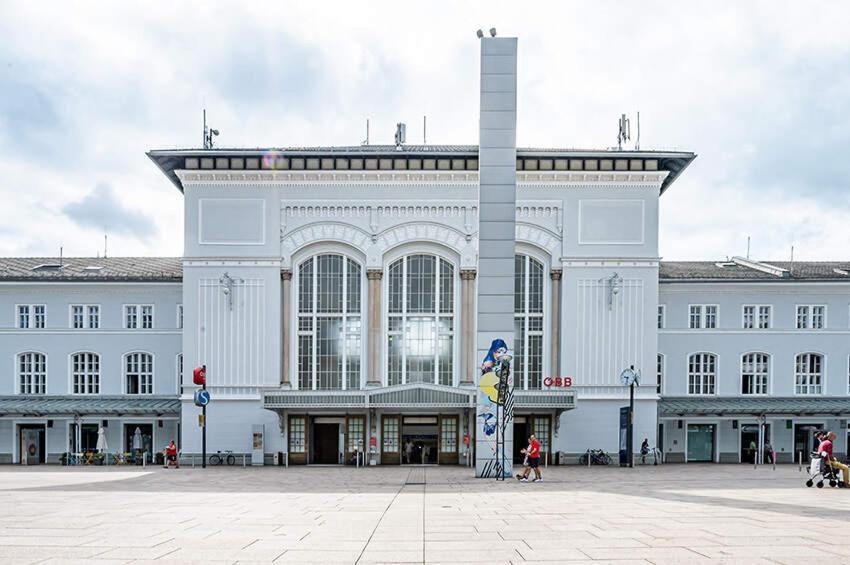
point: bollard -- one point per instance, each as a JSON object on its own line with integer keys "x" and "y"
{"x": 144, "y": 459}
{"x": 799, "y": 461}
{"x": 589, "y": 457}
{"x": 773, "y": 459}
{"x": 193, "y": 460}
{"x": 243, "y": 460}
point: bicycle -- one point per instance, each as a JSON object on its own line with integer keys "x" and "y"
{"x": 218, "y": 459}
{"x": 597, "y": 457}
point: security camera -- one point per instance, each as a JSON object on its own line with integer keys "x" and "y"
{"x": 479, "y": 33}
{"x": 492, "y": 32}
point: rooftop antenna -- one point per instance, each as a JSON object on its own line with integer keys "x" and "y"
{"x": 366, "y": 141}
{"x": 400, "y": 135}
{"x": 208, "y": 133}
{"x": 624, "y": 133}
{"x": 104, "y": 246}
{"x": 637, "y": 141}
{"x": 61, "y": 250}
{"x": 748, "y": 247}
{"x": 424, "y": 130}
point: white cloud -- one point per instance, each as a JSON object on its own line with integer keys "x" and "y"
{"x": 759, "y": 90}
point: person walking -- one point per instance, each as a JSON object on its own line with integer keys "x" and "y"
{"x": 171, "y": 456}
{"x": 644, "y": 450}
{"x": 532, "y": 453}
{"x": 523, "y": 477}
{"x": 408, "y": 452}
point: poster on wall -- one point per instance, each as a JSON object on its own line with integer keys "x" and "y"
{"x": 495, "y": 413}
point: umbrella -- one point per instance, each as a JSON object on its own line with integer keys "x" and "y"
{"x": 137, "y": 439}
{"x": 101, "y": 440}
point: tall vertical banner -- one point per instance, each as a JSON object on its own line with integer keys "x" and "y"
{"x": 496, "y": 249}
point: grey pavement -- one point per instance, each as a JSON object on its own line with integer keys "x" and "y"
{"x": 661, "y": 515}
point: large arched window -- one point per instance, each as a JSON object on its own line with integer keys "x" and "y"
{"x": 138, "y": 373}
{"x": 755, "y": 373}
{"x": 528, "y": 322}
{"x": 808, "y": 373}
{"x": 85, "y": 373}
{"x": 420, "y": 341}
{"x": 702, "y": 373}
{"x": 329, "y": 323}
{"x": 32, "y": 373}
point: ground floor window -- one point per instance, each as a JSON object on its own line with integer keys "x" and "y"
{"x": 390, "y": 434}
{"x": 297, "y": 434}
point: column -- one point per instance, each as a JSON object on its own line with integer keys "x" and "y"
{"x": 555, "y": 309}
{"x": 467, "y": 327}
{"x": 374, "y": 377}
{"x": 286, "y": 314}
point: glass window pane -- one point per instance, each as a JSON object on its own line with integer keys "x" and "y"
{"x": 394, "y": 347}
{"x": 446, "y": 357}
{"x": 305, "y": 286}
{"x": 305, "y": 362}
{"x": 353, "y": 289}
{"x": 535, "y": 286}
{"x": 329, "y": 353}
{"x": 420, "y": 342}
{"x": 352, "y": 353}
{"x": 421, "y": 283}
{"x": 396, "y": 283}
{"x": 329, "y": 283}
{"x": 519, "y": 284}
{"x": 446, "y": 286}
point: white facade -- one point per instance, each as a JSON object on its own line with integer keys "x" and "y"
{"x": 69, "y": 365}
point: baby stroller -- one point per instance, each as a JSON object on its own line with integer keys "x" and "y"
{"x": 820, "y": 470}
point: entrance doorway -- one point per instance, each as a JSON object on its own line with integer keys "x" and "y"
{"x": 804, "y": 439}
{"x": 701, "y": 442}
{"x": 138, "y": 443}
{"x": 750, "y": 442}
{"x": 419, "y": 440}
{"x": 522, "y": 429}
{"x": 328, "y": 441}
{"x": 31, "y": 443}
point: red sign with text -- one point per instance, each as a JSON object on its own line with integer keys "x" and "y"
{"x": 557, "y": 382}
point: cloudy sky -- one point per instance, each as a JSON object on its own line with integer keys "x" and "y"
{"x": 760, "y": 90}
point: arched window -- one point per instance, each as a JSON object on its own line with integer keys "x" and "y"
{"x": 329, "y": 323}
{"x": 755, "y": 373}
{"x": 32, "y": 373}
{"x": 85, "y": 373}
{"x": 702, "y": 373}
{"x": 420, "y": 341}
{"x": 808, "y": 373}
{"x": 138, "y": 373}
{"x": 528, "y": 322}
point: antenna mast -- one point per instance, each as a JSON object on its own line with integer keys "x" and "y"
{"x": 624, "y": 133}
{"x": 748, "y": 247}
{"x": 104, "y": 246}
{"x": 424, "y": 130}
{"x": 366, "y": 141}
{"x": 209, "y": 133}
{"x": 637, "y": 142}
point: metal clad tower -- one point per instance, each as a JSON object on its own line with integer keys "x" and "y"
{"x": 496, "y": 237}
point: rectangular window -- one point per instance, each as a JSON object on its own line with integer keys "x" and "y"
{"x": 389, "y": 437}
{"x": 764, "y": 317}
{"x": 661, "y": 316}
{"x": 297, "y": 434}
{"x": 659, "y": 372}
{"x": 94, "y": 317}
{"x": 131, "y": 317}
{"x": 356, "y": 433}
{"x": 78, "y": 316}
{"x": 702, "y": 316}
{"x": 541, "y": 431}
{"x": 448, "y": 434}
{"x": 138, "y": 316}
{"x": 31, "y": 316}
{"x": 85, "y": 316}
{"x": 749, "y": 317}
{"x": 811, "y": 317}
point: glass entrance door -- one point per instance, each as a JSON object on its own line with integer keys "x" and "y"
{"x": 700, "y": 442}
{"x": 419, "y": 440}
{"x": 804, "y": 440}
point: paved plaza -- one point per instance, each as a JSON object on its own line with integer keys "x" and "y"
{"x": 665, "y": 514}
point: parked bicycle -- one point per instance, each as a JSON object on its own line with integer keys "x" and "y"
{"x": 219, "y": 459}
{"x": 597, "y": 457}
